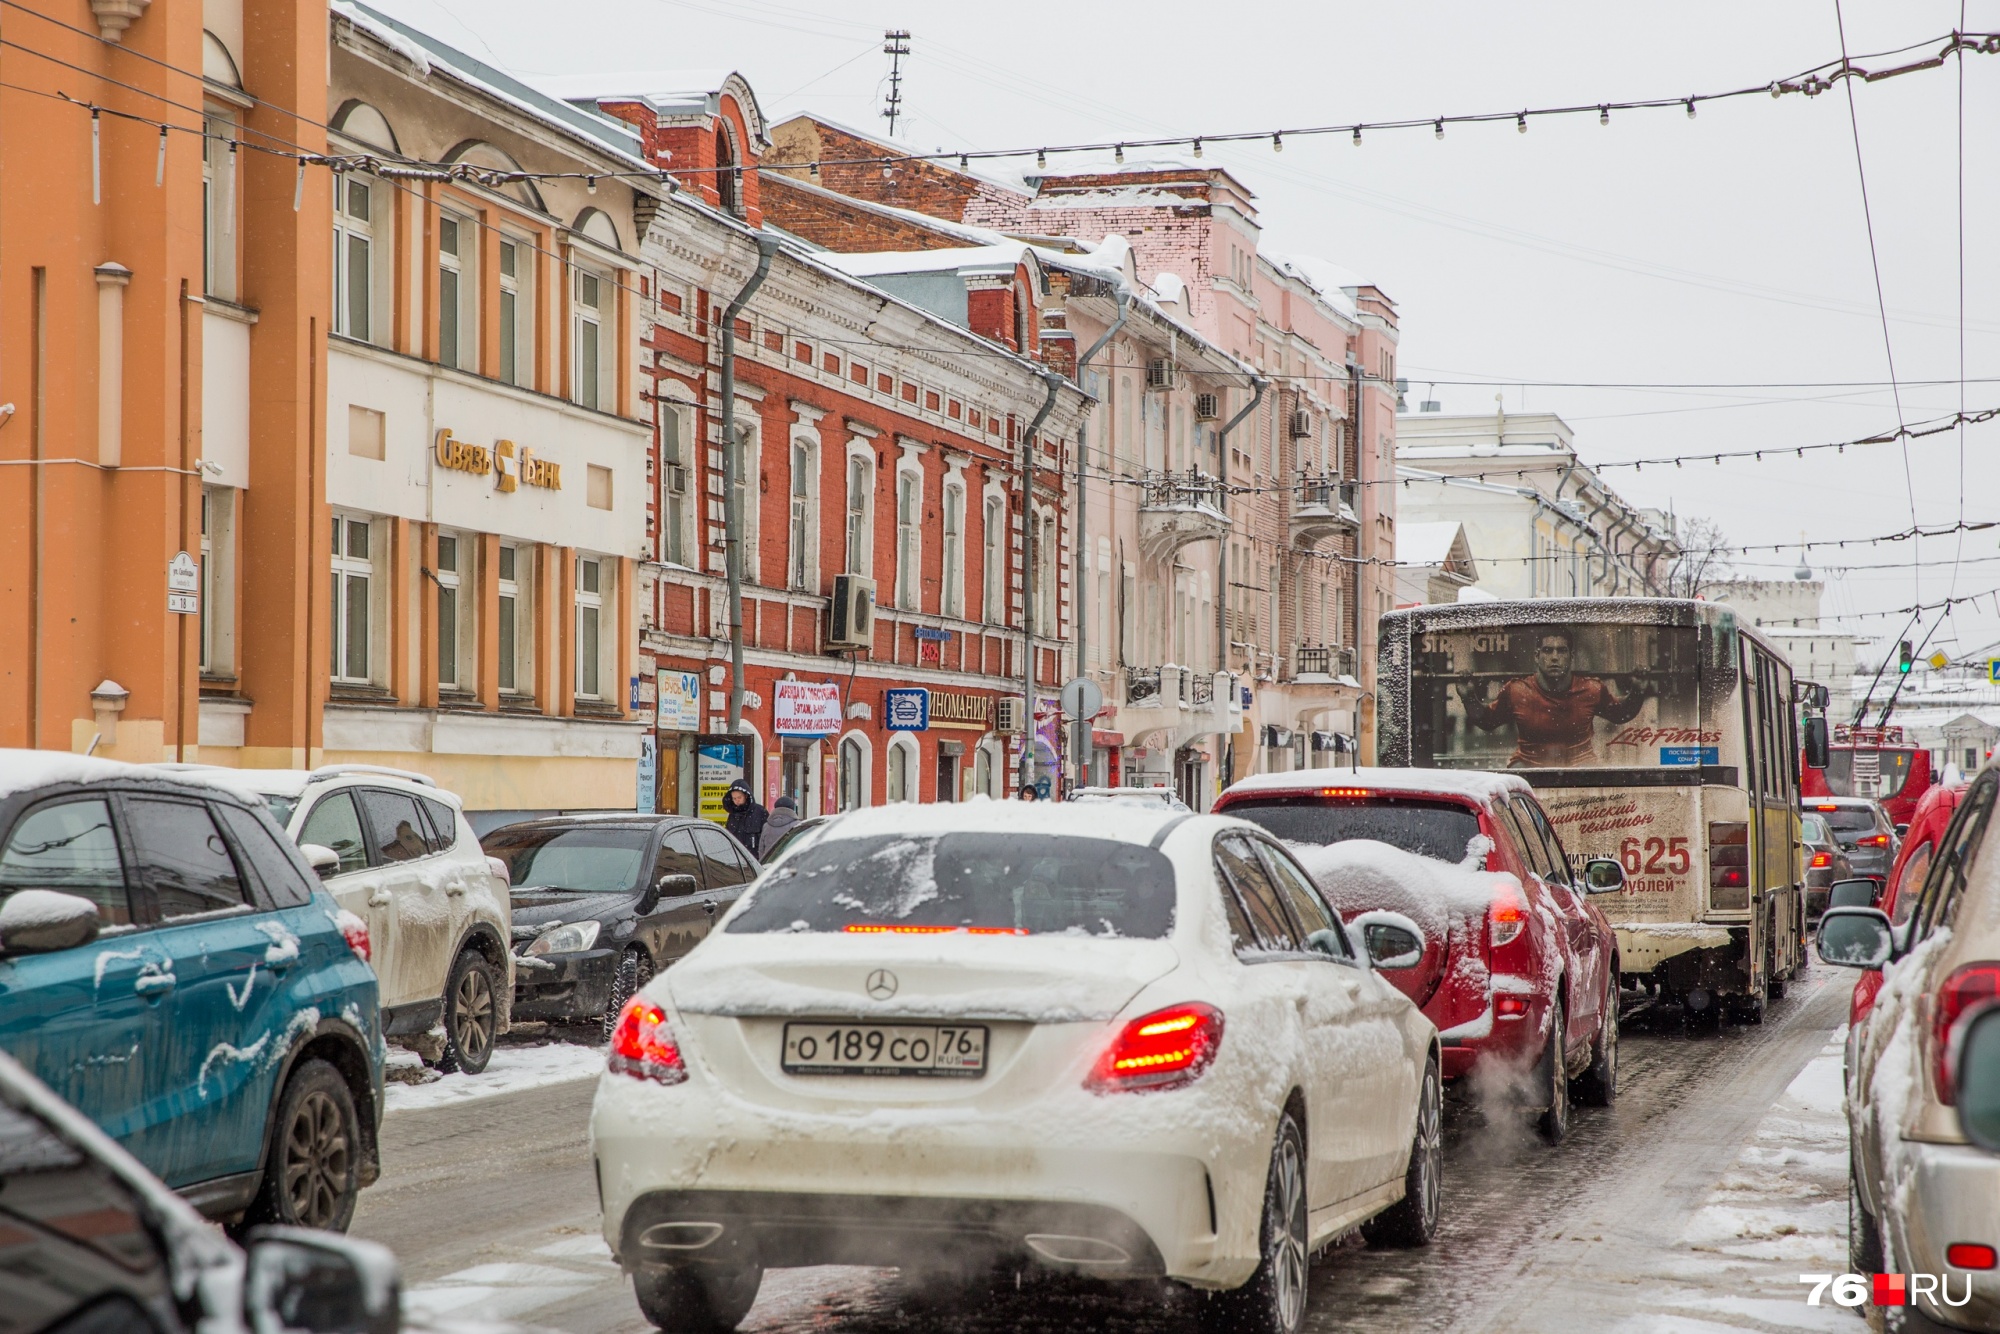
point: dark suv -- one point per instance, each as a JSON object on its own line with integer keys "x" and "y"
{"x": 1863, "y": 830}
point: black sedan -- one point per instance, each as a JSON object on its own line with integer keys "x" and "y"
{"x": 1826, "y": 862}
{"x": 602, "y": 902}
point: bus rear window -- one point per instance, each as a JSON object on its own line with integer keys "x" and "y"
{"x": 1440, "y": 829}
{"x": 1892, "y": 770}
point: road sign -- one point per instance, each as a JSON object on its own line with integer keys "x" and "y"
{"x": 1993, "y": 670}
{"x": 1940, "y": 660}
{"x": 1082, "y": 698}
{"x": 183, "y": 585}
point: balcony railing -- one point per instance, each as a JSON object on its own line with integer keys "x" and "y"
{"x": 1180, "y": 490}
{"x": 1142, "y": 685}
{"x": 1322, "y": 660}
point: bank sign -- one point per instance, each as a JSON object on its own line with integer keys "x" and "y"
{"x": 805, "y": 708}
{"x": 906, "y": 710}
{"x": 508, "y": 468}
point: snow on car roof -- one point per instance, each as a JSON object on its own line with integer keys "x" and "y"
{"x": 23, "y": 770}
{"x": 1477, "y": 784}
{"x": 263, "y": 782}
{"x": 1090, "y": 819}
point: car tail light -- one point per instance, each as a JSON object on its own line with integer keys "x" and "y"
{"x": 643, "y": 1046}
{"x": 1965, "y": 988}
{"x": 1826, "y": 806}
{"x": 1508, "y": 914}
{"x": 1821, "y": 859}
{"x": 888, "y": 929}
{"x": 1164, "y": 1049}
{"x": 355, "y": 932}
{"x": 1345, "y": 792}
{"x": 1729, "y": 863}
{"x": 1872, "y": 841}
{"x": 1510, "y": 1007}
{"x": 1970, "y": 1255}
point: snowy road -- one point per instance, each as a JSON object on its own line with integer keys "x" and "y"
{"x": 1693, "y": 1205}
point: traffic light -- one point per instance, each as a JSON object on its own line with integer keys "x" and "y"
{"x": 1903, "y": 663}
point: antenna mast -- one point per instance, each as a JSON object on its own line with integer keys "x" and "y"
{"x": 895, "y": 45}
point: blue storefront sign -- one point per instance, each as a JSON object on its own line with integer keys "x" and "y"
{"x": 906, "y": 710}
{"x": 1690, "y": 755}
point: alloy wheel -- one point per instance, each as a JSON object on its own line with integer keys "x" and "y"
{"x": 1429, "y": 1147}
{"x": 472, "y": 1016}
{"x": 1288, "y": 1235}
{"x": 316, "y": 1164}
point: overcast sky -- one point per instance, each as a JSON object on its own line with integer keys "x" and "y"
{"x": 1730, "y": 249}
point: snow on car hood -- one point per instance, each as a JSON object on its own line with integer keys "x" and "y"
{"x": 538, "y": 907}
{"x": 1036, "y": 979}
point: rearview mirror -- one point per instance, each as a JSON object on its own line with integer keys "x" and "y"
{"x": 41, "y": 921}
{"x": 1901, "y": 830}
{"x": 669, "y": 886}
{"x": 1815, "y": 746}
{"x": 324, "y": 860}
{"x": 1975, "y": 1067}
{"x": 1603, "y": 875}
{"x": 1857, "y": 893}
{"x": 1391, "y": 939}
{"x": 1856, "y": 938}
{"x": 296, "y": 1279}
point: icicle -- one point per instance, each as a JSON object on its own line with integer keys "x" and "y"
{"x": 160, "y": 162}
{"x": 96, "y": 172}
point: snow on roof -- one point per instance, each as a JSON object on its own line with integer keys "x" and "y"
{"x": 959, "y": 259}
{"x": 1329, "y": 280}
{"x": 1168, "y": 289}
{"x": 1131, "y": 824}
{"x": 1426, "y": 543}
{"x": 671, "y": 87}
{"x": 1474, "y": 783}
{"x": 21, "y": 770}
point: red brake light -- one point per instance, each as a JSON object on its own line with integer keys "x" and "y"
{"x": 1872, "y": 841}
{"x": 643, "y": 1046}
{"x": 1508, "y": 914}
{"x": 355, "y": 932}
{"x": 1821, "y": 859}
{"x": 1965, "y": 988}
{"x": 1345, "y": 792}
{"x": 1828, "y": 806}
{"x": 1164, "y": 1049}
{"x": 886, "y": 929}
{"x": 1507, "y": 1005}
{"x": 1970, "y": 1255}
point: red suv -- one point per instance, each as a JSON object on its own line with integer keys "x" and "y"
{"x": 1519, "y": 966}
{"x": 1906, "y": 879}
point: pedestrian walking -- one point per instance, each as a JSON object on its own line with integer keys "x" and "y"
{"x": 784, "y": 814}
{"x": 747, "y": 816}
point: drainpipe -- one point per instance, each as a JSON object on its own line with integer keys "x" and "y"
{"x": 732, "y": 506}
{"x": 1080, "y": 742}
{"x": 1055, "y": 383}
{"x": 1258, "y": 385}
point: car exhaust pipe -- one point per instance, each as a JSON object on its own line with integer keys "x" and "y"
{"x": 1076, "y": 1250}
{"x": 680, "y": 1236}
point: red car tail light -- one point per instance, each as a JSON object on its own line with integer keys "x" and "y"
{"x": 1164, "y": 1049}
{"x": 355, "y": 932}
{"x": 1508, "y": 914}
{"x": 1965, "y": 988}
{"x": 1345, "y": 792}
{"x": 643, "y": 1046}
{"x": 1821, "y": 860}
{"x": 886, "y": 929}
{"x": 1970, "y": 1255}
{"x": 1872, "y": 841}
{"x": 1509, "y": 1006}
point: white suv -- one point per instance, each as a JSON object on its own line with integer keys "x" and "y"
{"x": 405, "y": 861}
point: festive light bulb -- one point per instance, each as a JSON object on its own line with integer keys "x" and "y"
{"x": 1440, "y": 127}
{"x": 1042, "y": 158}
{"x": 1277, "y": 143}
{"x": 961, "y": 162}
{"x": 1690, "y": 108}
{"x": 590, "y": 184}
{"x": 1521, "y": 122}
{"x": 1604, "y": 115}
{"x": 1357, "y": 136}
{"x": 1119, "y": 153}
{"x": 1197, "y": 148}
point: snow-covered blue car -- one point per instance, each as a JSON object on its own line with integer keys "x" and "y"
{"x": 171, "y": 967}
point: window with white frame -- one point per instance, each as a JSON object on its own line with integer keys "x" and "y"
{"x": 676, "y": 486}
{"x": 953, "y": 596}
{"x": 451, "y": 610}
{"x": 514, "y": 618}
{"x": 853, "y": 774}
{"x": 354, "y": 256}
{"x": 218, "y": 512}
{"x": 1048, "y": 557}
{"x": 902, "y": 770}
{"x": 1128, "y": 615}
{"x": 457, "y": 332}
{"x": 590, "y": 590}
{"x": 748, "y": 456}
{"x": 801, "y": 562}
{"x": 218, "y": 212}
{"x": 352, "y": 603}
{"x": 860, "y": 500}
{"x": 1101, "y": 627}
{"x": 587, "y": 334}
{"x": 993, "y": 563}
{"x": 909, "y": 538}
{"x": 517, "y": 312}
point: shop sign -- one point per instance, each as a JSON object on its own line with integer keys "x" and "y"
{"x": 680, "y": 701}
{"x": 805, "y": 708}
{"x": 509, "y": 469}
{"x": 648, "y": 776}
{"x": 717, "y": 765}
{"x": 949, "y": 709}
{"x": 906, "y": 710}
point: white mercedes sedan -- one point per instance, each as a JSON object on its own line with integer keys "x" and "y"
{"x": 992, "y": 1037}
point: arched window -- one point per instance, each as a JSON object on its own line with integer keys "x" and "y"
{"x": 909, "y": 539}
{"x": 902, "y": 770}
{"x": 853, "y": 774}
{"x": 992, "y": 602}
{"x": 860, "y": 533}
{"x": 953, "y": 596}
{"x": 804, "y": 484}
{"x": 727, "y": 180}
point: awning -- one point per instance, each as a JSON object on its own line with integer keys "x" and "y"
{"x": 1110, "y": 740}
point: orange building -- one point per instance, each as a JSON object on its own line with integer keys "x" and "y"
{"x": 156, "y": 264}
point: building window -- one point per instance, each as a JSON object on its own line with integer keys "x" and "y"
{"x": 597, "y": 487}
{"x": 452, "y": 287}
{"x": 954, "y": 554}
{"x": 983, "y": 772}
{"x": 1128, "y": 609}
{"x": 860, "y": 533}
{"x": 589, "y": 618}
{"x": 993, "y": 594}
{"x": 1047, "y": 557}
{"x": 909, "y": 539}
{"x": 1101, "y": 624}
{"x": 218, "y": 209}
{"x": 450, "y": 608}
{"x": 352, "y": 605}
{"x": 207, "y": 592}
{"x": 853, "y": 775}
{"x": 588, "y": 334}
{"x": 804, "y": 484}
{"x": 514, "y": 618}
{"x": 517, "y": 313}
{"x": 674, "y": 487}
{"x": 353, "y": 257}
{"x": 748, "y": 452}
{"x": 902, "y": 771}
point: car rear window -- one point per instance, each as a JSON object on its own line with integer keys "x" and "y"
{"x": 583, "y": 858}
{"x": 1850, "y": 818}
{"x": 1013, "y": 884}
{"x": 1441, "y": 829}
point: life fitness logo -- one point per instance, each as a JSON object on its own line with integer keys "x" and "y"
{"x": 1884, "y": 1289}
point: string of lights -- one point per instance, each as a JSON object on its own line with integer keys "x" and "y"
{"x": 1916, "y": 609}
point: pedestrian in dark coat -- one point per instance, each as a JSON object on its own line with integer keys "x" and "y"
{"x": 784, "y": 814}
{"x": 746, "y": 815}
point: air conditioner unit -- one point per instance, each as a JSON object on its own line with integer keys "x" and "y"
{"x": 1007, "y": 714}
{"x": 851, "y": 620}
{"x": 1162, "y": 373}
{"x": 677, "y": 478}
{"x": 1207, "y": 407}
{"x": 1302, "y": 424}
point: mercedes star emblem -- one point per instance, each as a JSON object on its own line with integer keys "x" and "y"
{"x": 881, "y": 984}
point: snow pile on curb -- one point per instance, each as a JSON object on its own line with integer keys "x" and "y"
{"x": 511, "y": 1070}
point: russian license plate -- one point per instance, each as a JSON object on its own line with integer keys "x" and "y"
{"x": 950, "y": 1050}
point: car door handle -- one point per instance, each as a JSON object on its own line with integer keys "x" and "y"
{"x": 455, "y": 887}
{"x": 154, "y": 985}
{"x": 380, "y": 899}
{"x": 708, "y": 906}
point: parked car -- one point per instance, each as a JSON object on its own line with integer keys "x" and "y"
{"x": 1128, "y": 1044}
{"x": 1863, "y": 830}
{"x": 804, "y": 831}
{"x": 1164, "y": 797}
{"x": 1518, "y": 965}
{"x": 1928, "y": 822}
{"x": 602, "y": 902}
{"x": 1918, "y": 1191}
{"x": 170, "y": 966}
{"x": 1826, "y": 862}
{"x": 406, "y": 862}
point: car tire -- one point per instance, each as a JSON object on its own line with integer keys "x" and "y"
{"x": 471, "y": 1014}
{"x": 313, "y": 1175}
{"x": 1413, "y": 1220}
{"x": 698, "y": 1299}
{"x": 1864, "y": 1237}
{"x": 1553, "y": 1077}
{"x": 1597, "y": 1086}
{"x": 1274, "y": 1300}
{"x": 635, "y": 970}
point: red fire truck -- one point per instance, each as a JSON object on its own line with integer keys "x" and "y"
{"x": 1873, "y": 762}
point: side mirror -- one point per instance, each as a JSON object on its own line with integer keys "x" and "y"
{"x": 1856, "y": 938}
{"x": 672, "y": 885}
{"x": 296, "y": 1279}
{"x": 1901, "y": 830}
{"x": 1815, "y": 746}
{"x": 1391, "y": 939}
{"x": 324, "y": 861}
{"x": 1857, "y": 893}
{"x": 41, "y": 921}
{"x": 1975, "y": 1074}
{"x": 1603, "y": 875}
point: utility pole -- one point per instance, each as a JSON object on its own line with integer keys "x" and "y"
{"x": 895, "y": 45}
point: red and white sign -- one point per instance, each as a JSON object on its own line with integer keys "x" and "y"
{"x": 805, "y": 708}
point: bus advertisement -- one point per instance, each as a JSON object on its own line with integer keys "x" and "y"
{"x": 1658, "y": 732}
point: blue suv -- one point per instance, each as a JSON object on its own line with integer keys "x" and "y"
{"x": 170, "y": 966}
